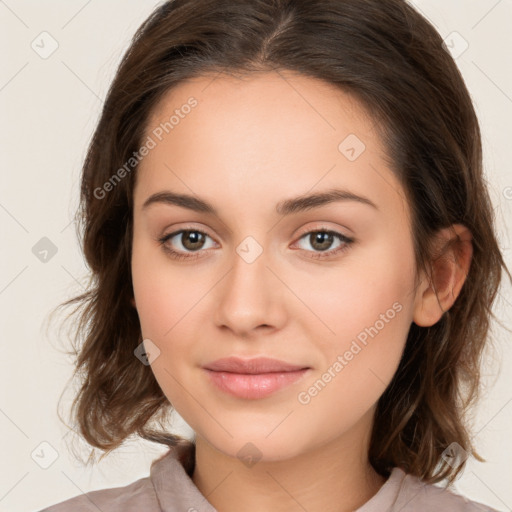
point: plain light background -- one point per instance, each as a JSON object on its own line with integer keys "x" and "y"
{"x": 49, "y": 108}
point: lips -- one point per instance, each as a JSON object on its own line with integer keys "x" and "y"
{"x": 253, "y": 378}
{"x": 252, "y": 366}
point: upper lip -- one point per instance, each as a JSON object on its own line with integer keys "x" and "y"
{"x": 252, "y": 366}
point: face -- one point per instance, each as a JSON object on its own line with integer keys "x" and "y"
{"x": 327, "y": 286}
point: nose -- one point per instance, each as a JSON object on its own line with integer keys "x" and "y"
{"x": 250, "y": 298}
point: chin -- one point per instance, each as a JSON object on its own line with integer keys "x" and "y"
{"x": 251, "y": 446}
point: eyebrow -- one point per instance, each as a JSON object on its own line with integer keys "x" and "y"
{"x": 283, "y": 208}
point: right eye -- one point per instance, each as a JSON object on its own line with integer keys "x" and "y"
{"x": 189, "y": 240}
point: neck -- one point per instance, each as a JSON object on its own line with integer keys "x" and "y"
{"x": 333, "y": 477}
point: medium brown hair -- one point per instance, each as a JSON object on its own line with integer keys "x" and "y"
{"x": 393, "y": 61}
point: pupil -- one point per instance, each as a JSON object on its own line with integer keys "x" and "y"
{"x": 195, "y": 239}
{"x": 325, "y": 240}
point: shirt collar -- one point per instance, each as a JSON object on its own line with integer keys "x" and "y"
{"x": 171, "y": 476}
{"x": 387, "y": 495}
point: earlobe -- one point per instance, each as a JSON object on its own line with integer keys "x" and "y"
{"x": 450, "y": 267}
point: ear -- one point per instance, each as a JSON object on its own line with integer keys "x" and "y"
{"x": 450, "y": 266}
{"x": 132, "y": 301}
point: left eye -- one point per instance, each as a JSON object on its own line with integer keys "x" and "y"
{"x": 321, "y": 240}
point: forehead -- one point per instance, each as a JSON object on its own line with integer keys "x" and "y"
{"x": 287, "y": 103}
{"x": 267, "y": 135}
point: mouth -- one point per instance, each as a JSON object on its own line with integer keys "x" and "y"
{"x": 253, "y": 378}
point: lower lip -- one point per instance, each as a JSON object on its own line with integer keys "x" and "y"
{"x": 253, "y": 386}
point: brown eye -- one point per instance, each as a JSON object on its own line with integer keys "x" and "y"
{"x": 321, "y": 241}
{"x": 192, "y": 240}
{"x": 187, "y": 242}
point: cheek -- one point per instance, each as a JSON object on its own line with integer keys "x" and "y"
{"x": 161, "y": 294}
{"x": 162, "y": 302}
{"x": 366, "y": 314}
{"x": 367, "y": 298}
{"x": 169, "y": 304}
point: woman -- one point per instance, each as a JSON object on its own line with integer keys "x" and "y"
{"x": 292, "y": 245}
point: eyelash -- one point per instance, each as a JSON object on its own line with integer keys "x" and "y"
{"x": 318, "y": 255}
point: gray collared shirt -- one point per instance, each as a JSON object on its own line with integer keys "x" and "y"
{"x": 169, "y": 488}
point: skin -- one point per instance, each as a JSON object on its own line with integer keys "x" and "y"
{"x": 249, "y": 144}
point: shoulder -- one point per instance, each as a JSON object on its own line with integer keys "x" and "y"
{"x": 415, "y": 495}
{"x": 139, "y": 495}
{"x": 168, "y": 487}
